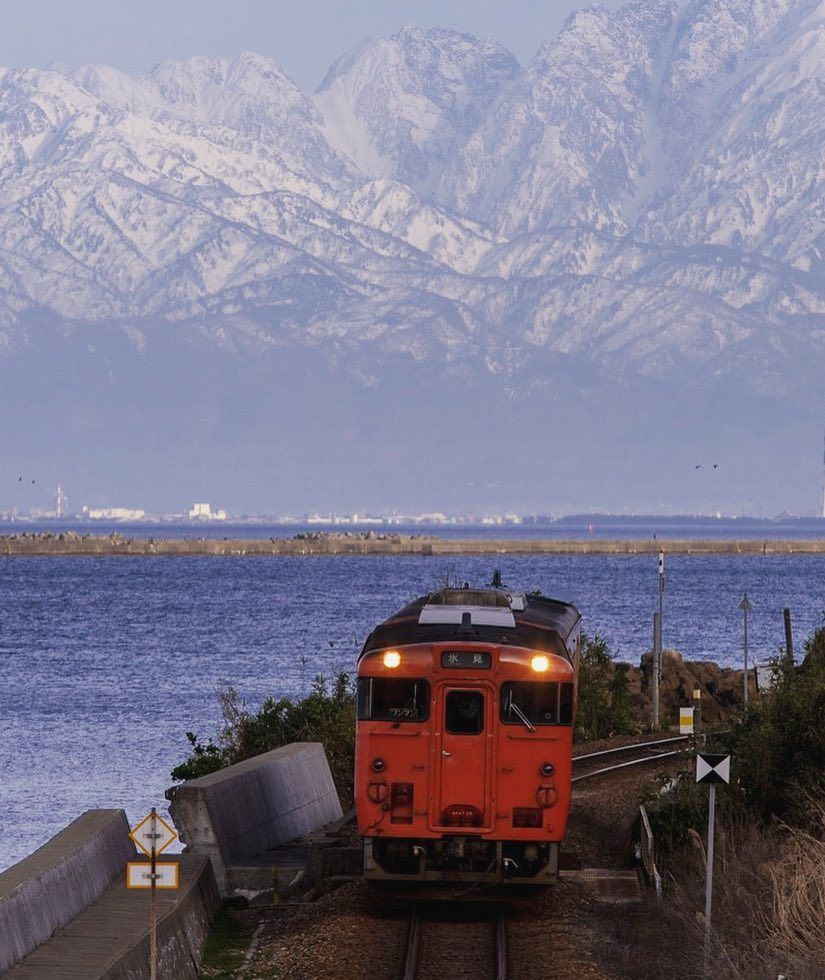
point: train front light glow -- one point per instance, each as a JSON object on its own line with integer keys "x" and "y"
{"x": 540, "y": 663}
{"x": 392, "y": 658}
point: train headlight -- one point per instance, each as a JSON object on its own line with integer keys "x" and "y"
{"x": 547, "y": 769}
{"x": 540, "y": 663}
{"x": 379, "y": 765}
{"x": 392, "y": 658}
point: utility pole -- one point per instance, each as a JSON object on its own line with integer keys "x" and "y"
{"x": 657, "y": 657}
{"x": 745, "y": 606}
{"x": 661, "y": 595}
{"x": 657, "y": 640}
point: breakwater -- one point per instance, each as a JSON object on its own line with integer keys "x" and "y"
{"x": 371, "y": 543}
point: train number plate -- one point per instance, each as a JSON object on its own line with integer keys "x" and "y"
{"x": 464, "y": 659}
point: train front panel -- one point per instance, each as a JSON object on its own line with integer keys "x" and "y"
{"x": 463, "y": 758}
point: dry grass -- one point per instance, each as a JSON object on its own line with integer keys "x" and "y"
{"x": 796, "y": 920}
{"x": 768, "y": 912}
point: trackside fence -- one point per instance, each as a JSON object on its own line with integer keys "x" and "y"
{"x": 649, "y": 855}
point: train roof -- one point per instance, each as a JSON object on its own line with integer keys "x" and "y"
{"x": 493, "y": 616}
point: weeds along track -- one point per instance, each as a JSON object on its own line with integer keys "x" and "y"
{"x": 613, "y": 761}
{"x": 456, "y": 941}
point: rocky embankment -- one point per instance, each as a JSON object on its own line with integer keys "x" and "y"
{"x": 377, "y": 543}
{"x": 722, "y": 688}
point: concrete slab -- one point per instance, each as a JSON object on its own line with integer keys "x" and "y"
{"x": 46, "y": 890}
{"x": 608, "y": 885}
{"x": 246, "y": 810}
{"x": 110, "y": 939}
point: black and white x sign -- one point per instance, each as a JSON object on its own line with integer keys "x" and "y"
{"x": 711, "y": 768}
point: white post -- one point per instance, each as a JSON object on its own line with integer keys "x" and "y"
{"x": 709, "y": 875}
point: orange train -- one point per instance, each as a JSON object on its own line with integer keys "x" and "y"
{"x": 466, "y": 704}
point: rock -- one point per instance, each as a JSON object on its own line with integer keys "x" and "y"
{"x": 722, "y": 688}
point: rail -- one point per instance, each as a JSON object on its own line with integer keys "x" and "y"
{"x": 629, "y": 748}
{"x": 413, "y": 942}
{"x": 623, "y": 765}
{"x": 413, "y": 949}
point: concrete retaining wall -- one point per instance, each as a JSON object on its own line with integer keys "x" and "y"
{"x": 50, "y": 887}
{"x": 182, "y": 932}
{"x": 246, "y": 809}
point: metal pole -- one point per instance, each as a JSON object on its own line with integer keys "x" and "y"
{"x": 661, "y": 595}
{"x": 153, "y": 930}
{"x": 747, "y": 607}
{"x": 788, "y": 637}
{"x": 709, "y": 874}
{"x": 655, "y": 667}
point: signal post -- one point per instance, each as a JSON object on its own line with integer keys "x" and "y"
{"x": 152, "y": 835}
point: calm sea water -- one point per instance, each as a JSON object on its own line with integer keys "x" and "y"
{"x": 105, "y": 663}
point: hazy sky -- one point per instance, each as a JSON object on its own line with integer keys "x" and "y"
{"x": 303, "y": 36}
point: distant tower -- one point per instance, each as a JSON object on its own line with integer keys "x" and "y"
{"x": 60, "y": 502}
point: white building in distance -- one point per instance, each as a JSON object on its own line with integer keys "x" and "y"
{"x": 204, "y": 512}
{"x": 113, "y": 514}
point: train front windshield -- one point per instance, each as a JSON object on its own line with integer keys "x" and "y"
{"x": 392, "y": 699}
{"x": 536, "y": 703}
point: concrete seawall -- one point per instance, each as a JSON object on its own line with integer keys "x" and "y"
{"x": 236, "y": 815}
{"x": 48, "y": 889}
{"x": 71, "y": 544}
{"x": 66, "y": 913}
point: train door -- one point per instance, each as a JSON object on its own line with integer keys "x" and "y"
{"x": 462, "y": 789}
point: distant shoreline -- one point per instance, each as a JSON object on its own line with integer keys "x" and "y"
{"x": 370, "y": 543}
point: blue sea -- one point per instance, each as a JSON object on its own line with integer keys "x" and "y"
{"x": 105, "y": 663}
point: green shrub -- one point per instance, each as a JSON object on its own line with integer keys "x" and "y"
{"x": 326, "y": 715}
{"x": 777, "y": 761}
{"x": 779, "y": 747}
{"x": 604, "y": 697}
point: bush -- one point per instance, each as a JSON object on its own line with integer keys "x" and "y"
{"x": 325, "y": 715}
{"x": 777, "y": 762}
{"x": 779, "y": 747}
{"x": 604, "y": 697}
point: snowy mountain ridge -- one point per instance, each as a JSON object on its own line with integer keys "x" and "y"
{"x": 646, "y": 194}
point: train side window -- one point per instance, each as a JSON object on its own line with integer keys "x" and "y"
{"x": 565, "y": 704}
{"x": 392, "y": 699}
{"x": 545, "y": 703}
{"x": 464, "y": 712}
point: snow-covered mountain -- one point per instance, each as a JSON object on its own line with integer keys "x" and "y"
{"x": 403, "y": 106}
{"x": 644, "y": 200}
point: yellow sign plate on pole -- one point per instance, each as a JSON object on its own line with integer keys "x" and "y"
{"x": 685, "y": 721}
{"x": 139, "y": 874}
{"x": 164, "y": 835}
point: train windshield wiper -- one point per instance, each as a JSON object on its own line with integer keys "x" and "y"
{"x": 522, "y": 717}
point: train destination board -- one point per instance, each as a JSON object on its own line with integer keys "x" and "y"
{"x": 466, "y": 658}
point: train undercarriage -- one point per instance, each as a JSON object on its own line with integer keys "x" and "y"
{"x": 461, "y": 858}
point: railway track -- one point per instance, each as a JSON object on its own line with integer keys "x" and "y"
{"x": 593, "y": 763}
{"x": 445, "y": 944}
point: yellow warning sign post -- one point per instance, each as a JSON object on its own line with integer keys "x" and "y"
{"x": 152, "y": 835}
{"x": 685, "y": 721}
